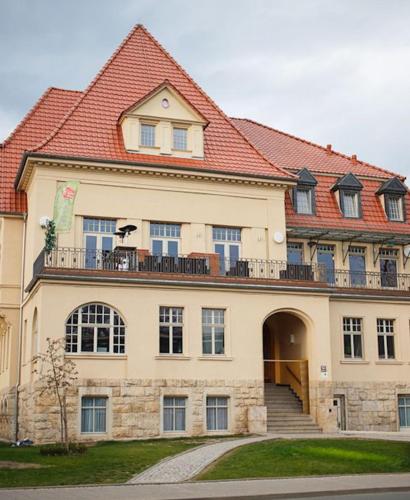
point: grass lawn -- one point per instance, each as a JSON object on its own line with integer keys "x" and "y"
{"x": 286, "y": 458}
{"x": 107, "y": 462}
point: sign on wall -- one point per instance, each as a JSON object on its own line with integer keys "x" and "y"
{"x": 64, "y": 204}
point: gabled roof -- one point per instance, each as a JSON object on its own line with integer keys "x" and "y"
{"x": 164, "y": 85}
{"x": 305, "y": 178}
{"x": 348, "y": 181}
{"x": 91, "y": 130}
{"x": 35, "y": 126}
{"x": 393, "y": 186}
{"x": 291, "y": 152}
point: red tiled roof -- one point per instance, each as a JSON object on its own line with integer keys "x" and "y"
{"x": 289, "y": 151}
{"x": 139, "y": 65}
{"x": 35, "y": 126}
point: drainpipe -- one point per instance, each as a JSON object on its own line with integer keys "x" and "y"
{"x": 20, "y": 337}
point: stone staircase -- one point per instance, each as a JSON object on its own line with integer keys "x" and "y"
{"x": 284, "y": 412}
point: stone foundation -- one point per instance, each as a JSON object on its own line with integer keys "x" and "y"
{"x": 134, "y": 407}
{"x": 7, "y": 414}
{"x": 370, "y": 406}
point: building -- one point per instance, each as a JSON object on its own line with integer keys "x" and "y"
{"x": 257, "y": 258}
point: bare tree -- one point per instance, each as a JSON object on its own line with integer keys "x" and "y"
{"x": 56, "y": 375}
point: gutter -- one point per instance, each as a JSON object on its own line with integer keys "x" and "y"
{"x": 28, "y": 154}
{"x": 20, "y": 337}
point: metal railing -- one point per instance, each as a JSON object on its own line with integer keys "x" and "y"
{"x": 213, "y": 265}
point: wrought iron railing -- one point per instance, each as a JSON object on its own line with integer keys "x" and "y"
{"x": 213, "y": 265}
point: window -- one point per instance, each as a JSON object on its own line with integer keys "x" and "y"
{"x": 303, "y": 200}
{"x": 216, "y": 413}
{"x": 93, "y": 414}
{"x": 394, "y": 207}
{"x": 98, "y": 239}
{"x": 165, "y": 238}
{"x": 385, "y": 338}
{"x": 295, "y": 253}
{"x": 180, "y": 138}
{"x": 352, "y": 338}
{"x": 388, "y": 267}
{"x": 357, "y": 264}
{"x": 148, "y": 135}
{"x": 95, "y": 328}
{"x": 174, "y": 414}
{"x": 170, "y": 330}
{"x": 404, "y": 411}
{"x": 227, "y": 244}
{"x": 350, "y": 203}
{"x": 326, "y": 258}
{"x": 213, "y": 331}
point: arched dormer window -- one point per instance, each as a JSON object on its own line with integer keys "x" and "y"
{"x": 95, "y": 328}
{"x": 304, "y": 193}
{"x": 348, "y": 189}
{"x": 393, "y": 192}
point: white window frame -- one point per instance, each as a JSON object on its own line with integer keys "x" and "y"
{"x": 93, "y": 408}
{"x": 351, "y": 332}
{"x": 166, "y": 232}
{"x": 217, "y": 407}
{"x": 142, "y": 135}
{"x": 213, "y": 325}
{"x": 174, "y": 408}
{"x": 354, "y": 195}
{"x": 171, "y": 325}
{"x": 73, "y": 331}
{"x": 398, "y": 216}
{"x": 232, "y": 237}
{"x": 99, "y": 233}
{"x": 405, "y": 406}
{"x": 184, "y": 142}
{"x": 309, "y": 200}
{"x": 385, "y": 329}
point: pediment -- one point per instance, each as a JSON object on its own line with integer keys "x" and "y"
{"x": 166, "y": 103}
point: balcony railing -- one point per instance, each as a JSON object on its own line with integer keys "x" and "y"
{"x": 214, "y": 266}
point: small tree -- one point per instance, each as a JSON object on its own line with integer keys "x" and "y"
{"x": 50, "y": 237}
{"x": 56, "y": 375}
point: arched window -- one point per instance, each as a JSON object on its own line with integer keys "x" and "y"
{"x": 95, "y": 328}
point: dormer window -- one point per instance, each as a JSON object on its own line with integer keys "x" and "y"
{"x": 304, "y": 193}
{"x": 392, "y": 194}
{"x": 348, "y": 189}
{"x": 147, "y": 135}
{"x": 350, "y": 204}
{"x": 394, "y": 207}
{"x": 180, "y": 138}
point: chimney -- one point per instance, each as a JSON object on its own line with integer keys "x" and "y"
{"x": 354, "y": 158}
{"x": 329, "y": 148}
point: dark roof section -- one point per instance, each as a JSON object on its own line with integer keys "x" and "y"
{"x": 348, "y": 181}
{"x": 393, "y": 186}
{"x": 306, "y": 178}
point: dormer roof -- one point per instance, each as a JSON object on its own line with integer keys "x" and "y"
{"x": 348, "y": 181}
{"x": 393, "y": 186}
{"x": 305, "y": 178}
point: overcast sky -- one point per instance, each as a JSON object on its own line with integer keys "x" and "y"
{"x": 331, "y": 71}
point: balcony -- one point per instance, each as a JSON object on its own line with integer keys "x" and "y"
{"x": 123, "y": 262}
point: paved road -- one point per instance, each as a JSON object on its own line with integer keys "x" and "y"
{"x": 262, "y": 489}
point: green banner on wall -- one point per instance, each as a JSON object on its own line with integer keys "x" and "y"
{"x": 64, "y": 204}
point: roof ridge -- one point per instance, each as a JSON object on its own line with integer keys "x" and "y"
{"x": 209, "y": 99}
{"x": 87, "y": 90}
{"x": 338, "y": 153}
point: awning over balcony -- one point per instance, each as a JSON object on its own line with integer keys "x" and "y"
{"x": 348, "y": 235}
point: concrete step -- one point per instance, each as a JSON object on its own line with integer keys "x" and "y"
{"x": 290, "y": 418}
{"x": 294, "y": 431}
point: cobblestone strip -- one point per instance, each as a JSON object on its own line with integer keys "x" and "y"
{"x": 188, "y": 464}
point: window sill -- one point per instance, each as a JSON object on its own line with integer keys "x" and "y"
{"x": 388, "y": 362}
{"x": 173, "y": 357}
{"x": 354, "y": 362}
{"x": 96, "y": 355}
{"x": 214, "y": 357}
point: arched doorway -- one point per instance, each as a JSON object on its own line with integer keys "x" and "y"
{"x": 285, "y": 353}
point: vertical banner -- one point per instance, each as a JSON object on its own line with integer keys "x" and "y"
{"x": 64, "y": 204}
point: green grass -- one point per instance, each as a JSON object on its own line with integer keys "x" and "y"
{"x": 106, "y": 462}
{"x": 289, "y": 458}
